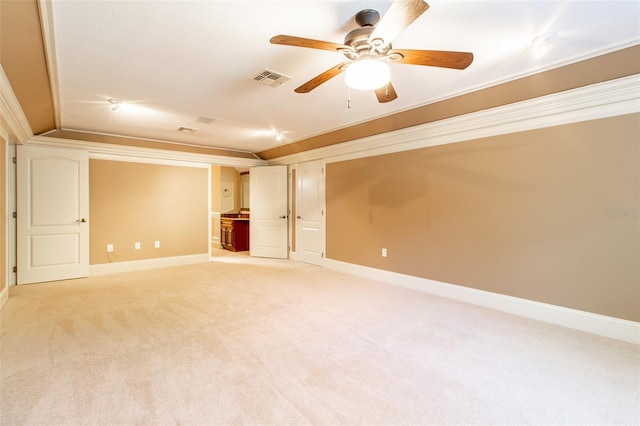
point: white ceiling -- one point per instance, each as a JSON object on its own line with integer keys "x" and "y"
{"x": 171, "y": 62}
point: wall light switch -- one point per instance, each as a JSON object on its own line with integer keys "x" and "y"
{"x": 137, "y": 245}
{"x": 384, "y": 252}
{"x": 157, "y": 244}
{"x": 109, "y": 248}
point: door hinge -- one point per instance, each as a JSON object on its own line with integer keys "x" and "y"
{"x": 14, "y": 159}
{"x": 323, "y": 255}
{"x": 322, "y": 212}
{"x": 15, "y": 215}
{"x": 15, "y": 269}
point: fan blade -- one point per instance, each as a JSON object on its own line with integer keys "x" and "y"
{"x": 434, "y": 58}
{"x": 307, "y": 42}
{"x": 386, "y": 93}
{"x": 322, "y": 78}
{"x": 400, "y": 15}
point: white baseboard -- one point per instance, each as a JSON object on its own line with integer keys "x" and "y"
{"x": 4, "y": 296}
{"x": 139, "y": 265}
{"x": 615, "y": 328}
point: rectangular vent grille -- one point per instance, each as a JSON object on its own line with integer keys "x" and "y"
{"x": 206, "y": 120}
{"x": 271, "y": 78}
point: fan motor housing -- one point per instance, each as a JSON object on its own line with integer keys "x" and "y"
{"x": 358, "y": 37}
{"x": 367, "y": 17}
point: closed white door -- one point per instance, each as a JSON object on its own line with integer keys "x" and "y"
{"x": 53, "y": 212}
{"x": 310, "y": 212}
{"x": 268, "y": 199}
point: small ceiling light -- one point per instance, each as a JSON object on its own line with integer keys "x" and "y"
{"x": 543, "y": 43}
{"x": 279, "y": 136}
{"x": 367, "y": 73}
{"x": 116, "y": 105}
{"x": 185, "y": 129}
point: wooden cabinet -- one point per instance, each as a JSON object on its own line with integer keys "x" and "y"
{"x": 234, "y": 234}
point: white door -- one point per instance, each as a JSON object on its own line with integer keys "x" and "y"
{"x": 53, "y": 210}
{"x": 268, "y": 199}
{"x": 310, "y": 212}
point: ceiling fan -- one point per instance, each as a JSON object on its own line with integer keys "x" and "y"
{"x": 368, "y": 50}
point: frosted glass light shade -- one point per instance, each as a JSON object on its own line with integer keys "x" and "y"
{"x": 367, "y": 74}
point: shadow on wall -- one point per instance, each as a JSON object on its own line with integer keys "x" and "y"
{"x": 393, "y": 184}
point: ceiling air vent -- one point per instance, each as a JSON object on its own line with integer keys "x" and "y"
{"x": 206, "y": 120}
{"x": 271, "y": 78}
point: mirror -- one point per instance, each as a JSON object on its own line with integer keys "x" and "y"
{"x": 244, "y": 191}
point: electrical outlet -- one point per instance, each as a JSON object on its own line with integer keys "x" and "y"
{"x": 109, "y": 248}
{"x": 157, "y": 244}
{"x": 384, "y": 252}
{"x": 137, "y": 245}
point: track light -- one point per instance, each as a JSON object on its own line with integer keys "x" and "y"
{"x": 116, "y": 105}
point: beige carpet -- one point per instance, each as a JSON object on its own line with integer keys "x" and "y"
{"x": 254, "y": 341}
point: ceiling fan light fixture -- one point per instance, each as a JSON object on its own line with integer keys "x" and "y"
{"x": 367, "y": 74}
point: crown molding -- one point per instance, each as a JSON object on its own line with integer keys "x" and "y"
{"x": 45, "y": 8}
{"x": 602, "y": 100}
{"x": 99, "y": 150}
{"x": 11, "y": 112}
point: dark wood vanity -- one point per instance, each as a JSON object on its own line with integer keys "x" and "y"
{"x": 234, "y": 232}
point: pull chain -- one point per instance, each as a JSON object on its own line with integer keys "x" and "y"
{"x": 349, "y": 98}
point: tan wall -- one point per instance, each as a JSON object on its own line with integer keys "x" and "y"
{"x": 215, "y": 187}
{"x": 3, "y": 216}
{"x": 132, "y": 202}
{"x": 550, "y": 215}
{"x": 229, "y": 180}
{"x": 23, "y": 60}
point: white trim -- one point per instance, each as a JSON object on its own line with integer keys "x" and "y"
{"x": 11, "y": 221}
{"x": 292, "y": 189}
{"x": 147, "y": 160}
{"x": 607, "y": 99}
{"x": 614, "y": 328}
{"x": 96, "y": 149}
{"x": 140, "y": 265}
{"x": 209, "y": 205}
{"x": 215, "y": 236}
{"x": 6, "y": 280}
{"x": 11, "y": 112}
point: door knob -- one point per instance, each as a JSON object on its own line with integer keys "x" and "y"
{"x": 83, "y": 220}
{"x": 283, "y": 217}
{"x": 298, "y": 217}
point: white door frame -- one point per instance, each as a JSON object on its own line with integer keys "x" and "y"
{"x": 11, "y": 221}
